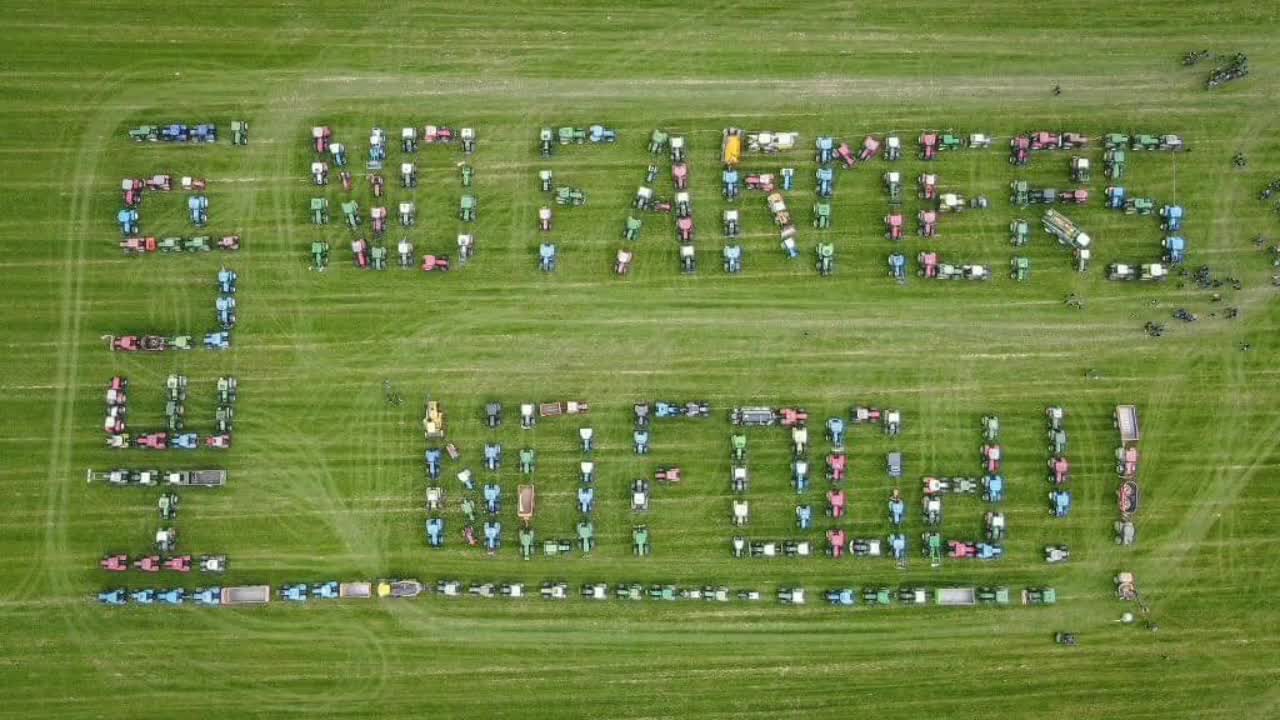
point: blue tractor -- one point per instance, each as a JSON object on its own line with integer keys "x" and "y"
{"x": 547, "y": 257}
{"x": 1116, "y": 197}
{"x": 226, "y": 307}
{"x": 492, "y": 457}
{"x": 146, "y": 596}
{"x": 826, "y": 150}
{"x": 128, "y": 219}
{"x": 198, "y": 206}
{"x": 1060, "y": 503}
{"x": 898, "y": 267}
{"x": 729, "y": 178}
{"x": 325, "y": 591}
{"x": 217, "y": 341}
{"x": 804, "y": 517}
{"x": 987, "y": 551}
{"x": 296, "y": 592}
{"x": 993, "y": 488}
{"x": 185, "y": 441}
{"x": 800, "y": 475}
{"x": 175, "y": 133}
{"x": 601, "y": 134}
{"x": 227, "y": 281}
{"x": 113, "y": 597}
{"x": 1175, "y": 249}
{"x": 898, "y": 544}
{"x": 826, "y": 182}
{"x": 435, "y": 532}
{"x": 206, "y": 133}
{"x": 433, "y": 458}
{"x": 493, "y": 499}
{"x": 842, "y": 596}
{"x": 1172, "y": 218}
{"x": 173, "y": 596}
{"x": 492, "y": 536}
{"x": 208, "y": 597}
{"x": 897, "y": 509}
{"x": 586, "y": 500}
{"x": 835, "y": 431}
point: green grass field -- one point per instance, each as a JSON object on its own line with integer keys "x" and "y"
{"x": 326, "y": 478}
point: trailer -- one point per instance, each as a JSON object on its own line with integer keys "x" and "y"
{"x": 1126, "y": 421}
{"x": 956, "y": 596}
{"x": 355, "y": 591}
{"x": 151, "y": 478}
{"x": 753, "y": 416}
{"x": 526, "y": 503}
{"x": 433, "y": 421}
{"x": 246, "y": 595}
{"x": 197, "y": 478}
{"x": 556, "y": 409}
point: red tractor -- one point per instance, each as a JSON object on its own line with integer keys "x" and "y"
{"x": 684, "y": 226}
{"x": 115, "y": 563}
{"x": 360, "y": 253}
{"x": 870, "y": 149}
{"x": 132, "y": 188}
{"x": 218, "y": 442}
{"x": 161, "y": 183}
{"x": 836, "y": 541}
{"x": 435, "y": 263}
{"x": 322, "y": 137}
{"x": 1127, "y": 462}
{"x": 837, "y": 464}
{"x": 961, "y": 550}
{"x": 667, "y": 474}
{"x": 929, "y": 146}
{"x": 138, "y": 245}
{"x": 1045, "y": 141}
{"x": 763, "y": 183}
{"x": 893, "y": 226}
{"x": 229, "y": 243}
{"x": 845, "y": 154}
{"x": 928, "y": 223}
{"x": 1075, "y": 197}
{"x": 794, "y": 417}
{"x": 346, "y": 180}
{"x": 680, "y": 175}
{"x": 378, "y": 184}
{"x": 928, "y": 264}
{"x": 992, "y": 456}
{"x": 835, "y": 503}
{"x": 1020, "y": 150}
{"x": 148, "y": 564}
{"x": 929, "y": 186}
{"x": 1059, "y": 470}
{"x": 153, "y": 441}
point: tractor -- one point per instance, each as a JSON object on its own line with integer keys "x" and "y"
{"x": 351, "y": 213}
{"x": 928, "y": 220}
{"x": 729, "y": 184}
{"x": 1060, "y": 503}
{"x": 319, "y": 255}
{"x": 1175, "y": 249}
{"x": 586, "y": 536}
{"x": 893, "y": 226}
{"x": 640, "y": 540}
{"x": 1115, "y": 198}
{"x": 825, "y": 150}
{"x": 570, "y": 196}
{"x": 836, "y": 503}
{"x": 685, "y": 229}
{"x": 929, "y": 146}
{"x": 1171, "y": 218}
{"x": 826, "y": 182}
{"x": 897, "y": 508}
{"x": 677, "y": 148}
{"x": 546, "y": 180}
{"x": 544, "y": 219}
{"x": 1020, "y": 268}
{"x": 732, "y": 258}
{"x": 741, "y": 513}
{"x": 640, "y": 495}
{"x": 1054, "y": 554}
{"x": 1114, "y": 163}
{"x": 680, "y": 176}
{"x": 893, "y": 184}
{"x": 338, "y": 152}
{"x": 1020, "y": 150}
{"x": 571, "y": 135}
{"x": 547, "y": 257}
{"x": 657, "y": 141}
{"x": 1080, "y": 171}
{"x": 128, "y": 219}
{"x": 928, "y": 186}
{"x": 405, "y": 249}
{"x": 546, "y": 138}
{"x": 688, "y": 258}
{"x": 869, "y": 151}
{"x": 928, "y": 265}
{"x": 468, "y": 137}
{"x": 467, "y": 208}
{"x": 1020, "y": 232}
{"x": 379, "y": 217}
{"x": 822, "y": 215}
{"x": 730, "y": 221}
{"x": 996, "y": 527}
{"x": 622, "y": 263}
{"x": 466, "y": 174}
{"x": 631, "y": 230}
{"x": 893, "y": 148}
{"x": 198, "y": 207}
{"x": 601, "y": 134}
{"x": 950, "y": 141}
{"x": 826, "y": 259}
{"x": 898, "y": 267}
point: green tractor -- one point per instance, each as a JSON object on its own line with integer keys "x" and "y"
{"x": 657, "y": 141}
{"x": 1039, "y": 596}
{"x": 640, "y": 540}
{"x": 663, "y": 592}
{"x": 528, "y": 460}
{"x": 826, "y": 259}
{"x": 933, "y": 548}
{"x": 633, "y": 591}
{"x": 631, "y": 232}
{"x": 1021, "y": 193}
{"x": 466, "y": 173}
{"x": 875, "y": 596}
{"x": 546, "y": 179}
{"x": 145, "y": 133}
{"x": 351, "y": 212}
{"x": 239, "y": 132}
{"x": 738, "y": 444}
{"x": 572, "y": 135}
{"x": 378, "y": 257}
{"x": 1140, "y": 206}
{"x": 951, "y": 142}
{"x": 822, "y": 215}
{"x": 1114, "y": 163}
{"x": 1019, "y": 232}
{"x": 528, "y": 543}
{"x": 570, "y": 196}
{"x": 1145, "y": 142}
{"x": 319, "y": 211}
{"x": 319, "y": 255}
{"x": 467, "y": 208}
{"x": 1021, "y": 268}
{"x": 993, "y": 595}
{"x": 1112, "y": 141}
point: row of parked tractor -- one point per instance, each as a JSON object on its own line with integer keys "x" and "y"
{"x": 871, "y": 596}
{"x": 220, "y": 339}
{"x": 200, "y": 133}
{"x": 569, "y": 196}
{"x": 1059, "y": 465}
{"x": 175, "y": 436}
